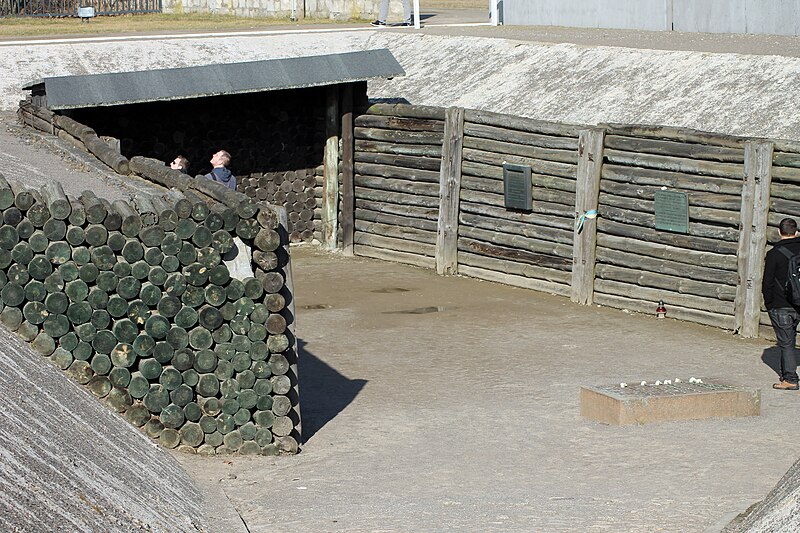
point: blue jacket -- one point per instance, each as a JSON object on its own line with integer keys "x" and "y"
{"x": 223, "y": 175}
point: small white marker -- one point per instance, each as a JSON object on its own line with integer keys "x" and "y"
{"x": 643, "y": 383}
{"x": 658, "y": 383}
{"x": 623, "y": 385}
{"x": 677, "y": 380}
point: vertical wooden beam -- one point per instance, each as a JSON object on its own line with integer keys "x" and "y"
{"x": 330, "y": 184}
{"x": 449, "y": 191}
{"x": 348, "y": 185}
{"x": 587, "y": 193}
{"x": 753, "y": 235}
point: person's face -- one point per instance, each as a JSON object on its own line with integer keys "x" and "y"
{"x": 216, "y": 159}
{"x": 176, "y": 165}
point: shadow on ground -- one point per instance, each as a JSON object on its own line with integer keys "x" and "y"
{"x": 325, "y": 392}
{"x": 772, "y": 358}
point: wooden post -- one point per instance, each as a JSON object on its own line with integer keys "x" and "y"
{"x": 330, "y": 185}
{"x": 348, "y": 187}
{"x": 753, "y": 235}
{"x": 449, "y": 190}
{"x": 587, "y": 189}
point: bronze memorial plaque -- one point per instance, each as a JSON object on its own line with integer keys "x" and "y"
{"x": 672, "y": 211}
{"x": 517, "y": 187}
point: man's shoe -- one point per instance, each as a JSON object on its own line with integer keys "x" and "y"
{"x": 377, "y": 23}
{"x": 406, "y": 24}
{"x": 786, "y": 385}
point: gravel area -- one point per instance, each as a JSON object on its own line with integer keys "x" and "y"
{"x": 450, "y": 404}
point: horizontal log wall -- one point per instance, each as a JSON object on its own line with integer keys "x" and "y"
{"x": 533, "y": 249}
{"x": 695, "y": 274}
{"x": 398, "y": 151}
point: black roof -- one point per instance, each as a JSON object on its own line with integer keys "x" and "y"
{"x": 93, "y": 90}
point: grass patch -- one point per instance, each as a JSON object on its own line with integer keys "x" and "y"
{"x": 176, "y": 23}
{"x": 142, "y": 23}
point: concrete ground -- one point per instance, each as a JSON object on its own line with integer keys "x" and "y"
{"x": 450, "y": 404}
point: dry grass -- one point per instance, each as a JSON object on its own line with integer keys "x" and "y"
{"x": 151, "y": 23}
{"x": 32, "y": 27}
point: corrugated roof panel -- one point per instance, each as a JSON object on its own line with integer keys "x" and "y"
{"x": 72, "y": 92}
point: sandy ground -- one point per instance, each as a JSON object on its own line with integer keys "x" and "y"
{"x": 451, "y": 404}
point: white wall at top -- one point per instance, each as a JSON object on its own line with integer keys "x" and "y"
{"x": 772, "y": 17}
{"x": 624, "y": 14}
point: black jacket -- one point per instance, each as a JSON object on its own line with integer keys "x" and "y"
{"x": 776, "y": 267}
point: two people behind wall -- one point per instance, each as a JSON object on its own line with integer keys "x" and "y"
{"x": 383, "y": 12}
{"x": 219, "y": 171}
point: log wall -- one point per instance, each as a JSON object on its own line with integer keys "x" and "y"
{"x": 735, "y": 189}
{"x": 637, "y": 265}
{"x": 175, "y": 309}
{"x": 398, "y": 151}
{"x": 527, "y": 249}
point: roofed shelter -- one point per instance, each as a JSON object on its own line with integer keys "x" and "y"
{"x": 280, "y": 119}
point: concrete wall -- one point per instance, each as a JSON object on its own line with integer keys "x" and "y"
{"x": 778, "y": 17}
{"x": 627, "y": 14}
{"x": 319, "y": 9}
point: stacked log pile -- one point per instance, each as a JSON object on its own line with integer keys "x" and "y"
{"x": 135, "y": 301}
{"x": 532, "y": 249}
{"x": 695, "y": 274}
{"x": 398, "y": 151}
{"x": 293, "y": 189}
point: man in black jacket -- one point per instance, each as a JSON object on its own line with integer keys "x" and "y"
{"x": 783, "y": 316}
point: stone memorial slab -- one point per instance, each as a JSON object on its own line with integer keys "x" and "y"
{"x": 644, "y": 404}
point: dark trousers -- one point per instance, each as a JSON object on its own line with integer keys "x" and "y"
{"x": 784, "y": 322}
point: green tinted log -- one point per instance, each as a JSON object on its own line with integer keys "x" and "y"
{"x": 138, "y": 312}
{"x": 95, "y": 209}
{"x": 207, "y": 385}
{"x": 56, "y": 325}
{"x": 62, "y": 358}
{"x": 119, "y": 377}
{"x": 182, "y": 395}
{"x": 175, "y": 285}
{"x": 77, "y": 214}
{"x": 144, "y": 345}
{"x": 131, "y": 222}
{"x": 103, "y": 257}
{"x": 100, "y": 386}
{"x": 123, "y": 355}
{"x": 125, "y": 330}
{"x": 96, "y": 235}
{"x": 172, "y": 416}
{"x": 57, "y": 203}
{"x": 139, "y": 385}
{"x": 156, "y": 399}
{"x": 154, "y": 428}
{"x": 75, "y": 236}
{"x": 54, "y": 230}
{"x": 137, "y": 414}
{"x": 80, "y": 371}
{"x": 169, "y": 438}
{"x": 101, "y": 363}
{"x": 247, "y": 228}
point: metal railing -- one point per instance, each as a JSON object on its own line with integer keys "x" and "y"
{"x": 69, "y": 8}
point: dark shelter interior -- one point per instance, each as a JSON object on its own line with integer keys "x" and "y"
{"x": 265, "y": 133}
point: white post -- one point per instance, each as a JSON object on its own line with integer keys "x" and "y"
{"x": 493, "y": 11}
{"x": 416, "y": 14}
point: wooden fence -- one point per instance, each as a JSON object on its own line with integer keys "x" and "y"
{"x": 428, "y": 189}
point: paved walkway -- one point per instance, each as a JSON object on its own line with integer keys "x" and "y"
{"x": 451, "y": 404}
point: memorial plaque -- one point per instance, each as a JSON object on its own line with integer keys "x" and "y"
{"x": 517, "y": 187}
{"x": 672, "y": 211}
